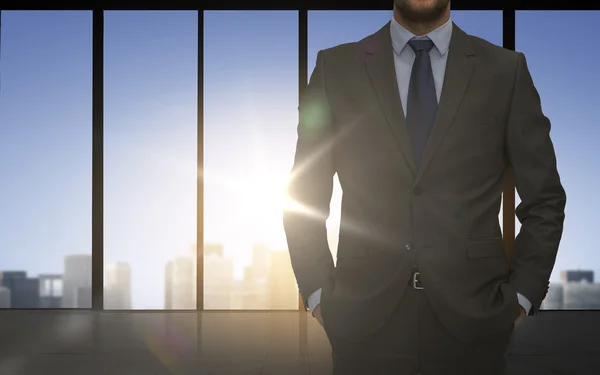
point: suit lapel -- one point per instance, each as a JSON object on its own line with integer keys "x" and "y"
{"x": 459, "y": 69}
{"x": 379, "y": 59}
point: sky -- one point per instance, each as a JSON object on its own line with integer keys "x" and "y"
{"x": 250, "y": 102}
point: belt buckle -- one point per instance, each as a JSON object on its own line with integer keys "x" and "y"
{"x": 416, "y": 281}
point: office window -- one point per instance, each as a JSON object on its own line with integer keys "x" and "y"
{"x": 45, "y": 159}
{"x": 250, "y": 121}
{"x": 330, "y": 28}
{"x": 150, "y": 123}
{"x": 568, "y": 85}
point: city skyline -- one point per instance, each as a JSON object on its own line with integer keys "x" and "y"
{"x": 268, "y": 283}
{"x": 150, "y": 130}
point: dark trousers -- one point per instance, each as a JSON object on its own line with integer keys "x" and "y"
{"x": 413, "y": 342}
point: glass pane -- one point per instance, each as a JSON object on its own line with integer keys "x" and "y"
{"x": 46, "y": 153}
{"x": 250, "y": 120}
{"x": 150, "y": 78}
{"x": 570, "y": 100}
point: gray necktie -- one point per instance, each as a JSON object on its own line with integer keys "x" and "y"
{"x": 422, "y": 99}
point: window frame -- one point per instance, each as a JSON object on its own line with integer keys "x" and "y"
{"x": 508, "y": 10}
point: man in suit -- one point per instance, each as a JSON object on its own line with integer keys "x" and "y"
{"x": 421, "y": 122}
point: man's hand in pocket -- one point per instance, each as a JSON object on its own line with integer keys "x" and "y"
{"x": 518, "y": 320}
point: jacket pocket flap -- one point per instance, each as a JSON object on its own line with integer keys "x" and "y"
{"x": 485, "y": 247}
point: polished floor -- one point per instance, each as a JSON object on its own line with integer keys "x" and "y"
{"x": 243, "y": 343}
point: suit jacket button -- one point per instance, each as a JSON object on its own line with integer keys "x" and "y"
{"x": 408, "y": 246}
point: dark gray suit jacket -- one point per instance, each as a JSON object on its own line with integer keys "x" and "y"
{"x": 442, "y": 217}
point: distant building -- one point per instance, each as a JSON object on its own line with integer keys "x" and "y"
{"x": 8, "y": 279}
{"x": 4, "y": 297}
{"x": 554, "y": 299}
{"x": 24, "y": 291}
{"x": 84, "y": 297}
{"x": 117, "y": 287}
{"x": 212, "y": 248}
{"x": 77, "y": 277}
{"x": 255, "y": 295}
{"x": 50, "y": 291}
{"x": 283, "y": 290}
{"x": 581, "y": 296}
{"x": 180, "y": 293}
{"x": 577, "y": 291}
{"x": 261, "y": 261}
{"x": 27, "y": 293}
{"x": 237, "y": 295}
{"x": 168, "y": 287}
{"x": 577, "y": 276}
{"x": 194, "y": 255}
{"x": 218, "y": 281}
{"x": 255, "y": 292}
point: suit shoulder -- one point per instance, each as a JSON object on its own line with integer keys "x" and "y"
{"x": 493, "y": 53}
{"x": 342, "y": 53}
{"x": 343, "y": 48}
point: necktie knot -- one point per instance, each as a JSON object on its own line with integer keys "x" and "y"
{"x": 422, "y": 44}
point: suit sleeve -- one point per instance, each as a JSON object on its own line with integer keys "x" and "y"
{"x": 310, "y": 188}
{"x": 542, "y": 209}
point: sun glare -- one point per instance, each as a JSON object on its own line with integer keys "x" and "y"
{"x": 260, "y": 199}
{"x": 264, "y": 198}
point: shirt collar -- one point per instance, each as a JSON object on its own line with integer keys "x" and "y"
{"x": 440, "y": 36}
